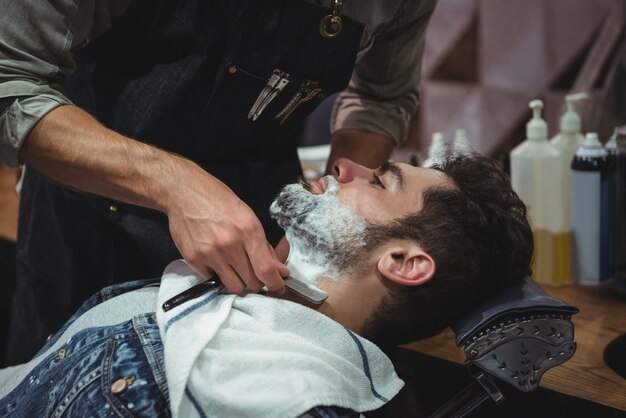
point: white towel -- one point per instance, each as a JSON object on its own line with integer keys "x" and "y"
{"x": 257, "y": 356}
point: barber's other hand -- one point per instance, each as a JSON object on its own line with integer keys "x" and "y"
{"x": 218, "y": 233}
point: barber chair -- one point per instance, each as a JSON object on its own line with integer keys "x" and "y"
{"x": 512, "y": 339}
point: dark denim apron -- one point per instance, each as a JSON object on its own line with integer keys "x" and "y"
{"x": 181, "y": 75}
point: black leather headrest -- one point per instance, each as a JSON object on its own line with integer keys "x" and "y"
{"x": 523, "y": 298}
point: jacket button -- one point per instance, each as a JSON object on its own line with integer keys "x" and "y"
{"x": 113, "y": 208}
{"x": 119, "y": 386}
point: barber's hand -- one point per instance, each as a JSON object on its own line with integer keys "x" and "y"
{"x": 214, "y": 230}
{"x": 365, "y": 148}
{"x": 218, "y": 233}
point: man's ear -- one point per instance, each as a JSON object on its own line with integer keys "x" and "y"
{"x": 410, "y": 266}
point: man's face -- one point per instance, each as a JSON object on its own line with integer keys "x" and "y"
{"x": 323, "y": 233}
{"x": 380, "y": 195}
{"x": 327, "y": 219}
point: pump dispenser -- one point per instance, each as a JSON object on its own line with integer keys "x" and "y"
{"x": 436, "y": 150}
{"x": 539, "y": 185}
{"x": 536, "y": 128}
{"x": 569, "y": 139}
{"x": 461, "y": 145}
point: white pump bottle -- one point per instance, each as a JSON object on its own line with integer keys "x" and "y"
{"x": 570, "y": 138}
{"x": 436, "y": 150}
{"x": 567, "y": 141}
{"x": 537, "y": 179}
{"x": 461, "y": 145}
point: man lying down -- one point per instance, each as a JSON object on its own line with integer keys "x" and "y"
{"x": 400, "y": 251}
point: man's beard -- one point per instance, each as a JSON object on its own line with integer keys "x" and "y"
{"x": 325, "y": 232}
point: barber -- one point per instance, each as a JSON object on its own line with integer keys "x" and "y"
{"x": 158, "y": 129}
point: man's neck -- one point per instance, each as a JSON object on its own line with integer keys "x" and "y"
{"x": 296, "y": 298}
{"x": 351, "y": 300}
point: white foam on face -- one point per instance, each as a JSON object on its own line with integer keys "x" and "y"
{"x": 319, "y": 228}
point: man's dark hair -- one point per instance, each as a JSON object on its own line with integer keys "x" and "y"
{"x": 480, "y": 239}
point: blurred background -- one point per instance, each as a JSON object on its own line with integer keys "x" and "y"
{"x": 486, "y": 59}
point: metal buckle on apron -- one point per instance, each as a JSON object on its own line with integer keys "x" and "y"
{"x": 307, "y": 91}
{"x": 331, "y": 25}
{"x": 277, "y": 82}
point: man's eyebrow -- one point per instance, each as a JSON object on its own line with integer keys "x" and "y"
{"x": 388, "y": 166}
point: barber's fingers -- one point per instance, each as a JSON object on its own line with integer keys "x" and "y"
{"x": 283, "y": 270}
{"x": 227, "y": 275}
{"x": 238, "y": 275}
{"x": 230, "y": 278}
{"x": 232, "y": 261}
{"x": 204, "y": 271}
{"x": 267, "y": 268}
{"x": 243, "y": 268}
{"x": 236, "y": 270}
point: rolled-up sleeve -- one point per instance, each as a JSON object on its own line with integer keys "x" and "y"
{"x": 36, "y": 42}
{"x": 20, "y": 117}
{"x": 383, "y": 93}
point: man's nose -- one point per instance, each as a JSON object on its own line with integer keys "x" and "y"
{"x": 346, "y": 170}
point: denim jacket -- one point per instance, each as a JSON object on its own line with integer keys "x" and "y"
{"x": 114, "y": 371}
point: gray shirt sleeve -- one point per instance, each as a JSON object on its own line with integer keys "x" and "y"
{"x": 36, "y": 43}
{"x": 383, "y": 93}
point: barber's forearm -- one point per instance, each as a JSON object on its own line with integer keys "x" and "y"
{"x": 70, "y": 146}
{"x": 365, "y": 148}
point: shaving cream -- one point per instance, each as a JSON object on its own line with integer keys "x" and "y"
{"x": 321, "y": 230}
